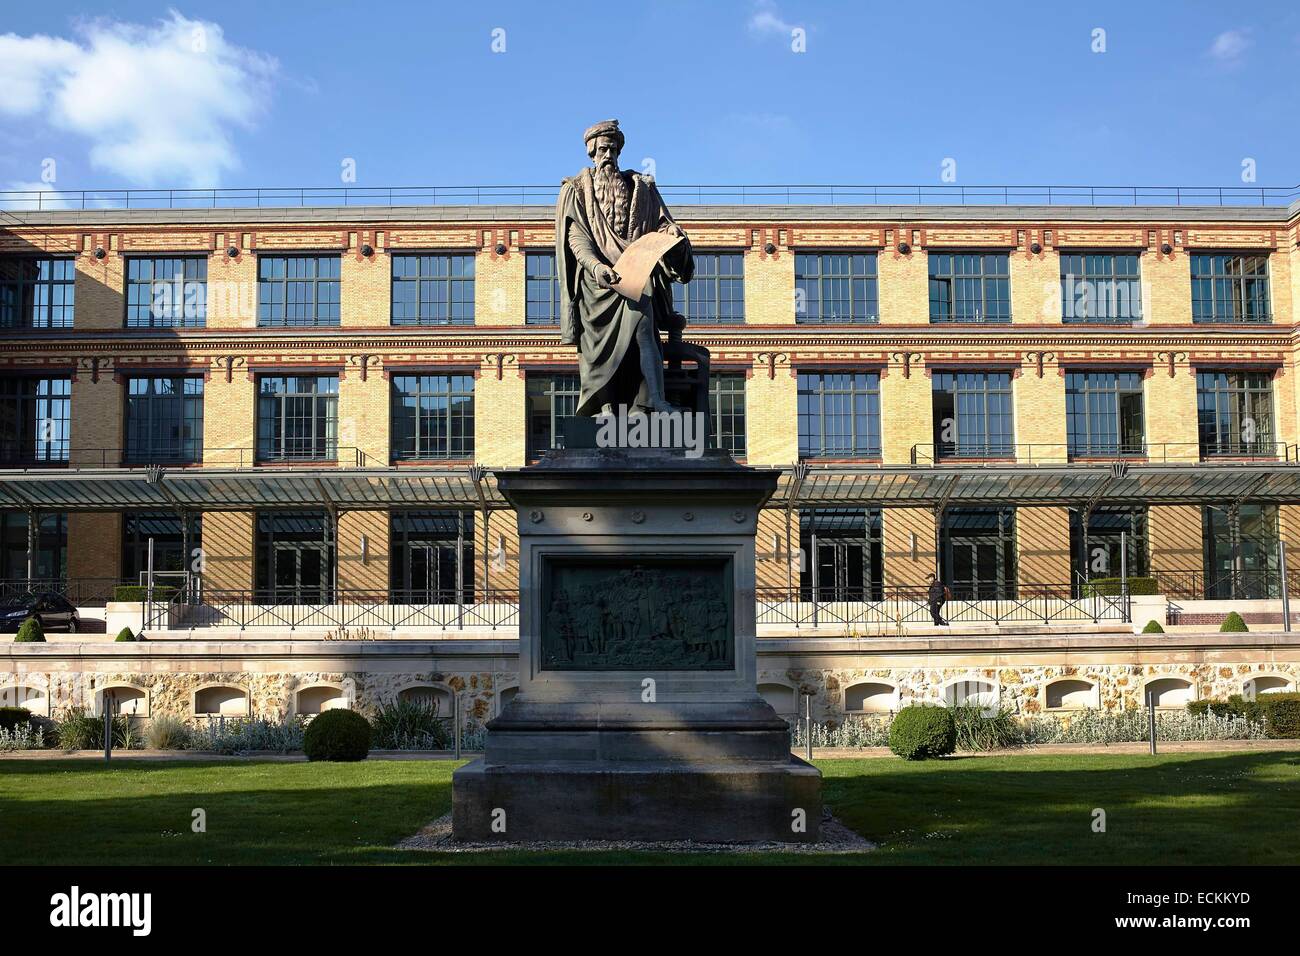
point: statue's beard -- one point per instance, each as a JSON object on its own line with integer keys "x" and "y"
{"x": 614, "y": 196}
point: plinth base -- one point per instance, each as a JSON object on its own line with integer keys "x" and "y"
{"x": 728, "y": 802}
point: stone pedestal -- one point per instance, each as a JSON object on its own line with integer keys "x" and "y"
{"x": 637, "y": 715}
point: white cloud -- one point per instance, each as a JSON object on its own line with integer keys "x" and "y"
{"x": 21, "y": 196}
{"x": 158, "y": 103}
{"x": 1229, "y": 46}
{"x": 767, "y": 20}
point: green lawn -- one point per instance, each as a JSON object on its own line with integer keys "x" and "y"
{"x": 1181, "y": 809}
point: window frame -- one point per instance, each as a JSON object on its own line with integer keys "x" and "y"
{"x": 316, "y": 282}
{"x": 322, "y": 401}
{"x": 450, "y": 280}
{"x": 534, "y": 282}
{"x": 1111, "y": 281}
{"x": 1005, "y": 446}
{"x": 1237, "y": 282}
{"x": 686, "y": 297}
{"x": 51, "y": 285}
{"x": 804, "y": 280}
{"x": 554, "y": 418}
{"x": 736, "y": 413}
{"x": 869, "y": 390}
{"x": 1235, "y": 405}
{"x": 153, "y": 402}
{"x": 985, "y": 281}
{"x": 53, "y": 451}
{"x": 132, "y": 314}
{"x": 1083, "y": 446}
{"x": 459, "y": 386}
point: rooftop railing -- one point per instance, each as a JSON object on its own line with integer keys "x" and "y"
{"x": 972, "y": 452}
{"x": 945, "y": 194}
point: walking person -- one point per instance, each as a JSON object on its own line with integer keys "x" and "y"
{"x": 937, "y": 594}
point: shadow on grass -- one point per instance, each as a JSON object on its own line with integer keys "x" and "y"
{"x": 1183, "y": 809}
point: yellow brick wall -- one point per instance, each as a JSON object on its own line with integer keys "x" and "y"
{"x": 96, "y": 437}
{"x": 500, "y": 422}
{"x": 769, "y": 287}
{"x": 98, "y": 292}
{"x": 499, "y": 288}
{"x": 899, "y": 525}
{"x": 502, "y": 536}
{"x": 229, "y": 425}
{"x": 777, "y": 565}
{"x": 1039, "y": 415}
{"x": 1170, "y": 410}
{"x": 364, "y": 417}
{"x": 1043, "y": 545}
{"x": 94, "y": 546}
{"x": 1174, "y": 537}
{"x": 1167, "y": 289}
{"x": 228, "y": 550}
{"x": 906, "y": 415}
{"x": 1280, "y": 267}
{"x": 1035, "y": 288}
{"x": 365, "y": 290}
{"x": 354, "y": 572}
{"x": 232, "y": 291}
{"x": 771, "y": 418}
{"x": 1284, "y": 404}
{"x": 904, "y": 288}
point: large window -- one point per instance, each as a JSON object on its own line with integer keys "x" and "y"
{"x": 36, "y": 293}
{"x": 295, "y": 557}
{"x": 972, "y": 415}
{"x": 1100, "y": 287}
{"x": 175, "y": 547}
{"x": 836, "y": 287}
{"x": 978, "y": 547}
{"x": 298, "y": 290}
{"x": 432, "y": 557}
{"x": 433, "y": 290}
{"x": 297, "y": 417}
{"x": 542, "y": 289}
{"x": 1103, "y": 413}
{"x": 164, "y": 419}
{"x": 1230, "y": 288}
{"x": 839, "y": 414}
{"x": 34, "y": 419}
{"x": 433, "y": 416}
{"x": 166, "y": 292}
{"x": 843, "y": 552}
{"x": 552, "y": 399}
{"x": 727, "y": 413}
{"x": 1235, "y": 413}
{"x": 1240, "y": 552}
{"x": 716, "y": 295}
{"x": 51, "y": 559}
{"x": 1095, "y": 548}
{"x": 970, "y": 287}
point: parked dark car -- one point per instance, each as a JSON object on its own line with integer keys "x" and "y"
{"x": 54, "y": 611}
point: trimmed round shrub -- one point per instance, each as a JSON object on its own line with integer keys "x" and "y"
{"x": 30, "y": 632}
{"x": 1233, "y": 623}
{"x": 126, "y": 634}
{"x": 12, "y": 717}
{"x": 337, "y": 735}
{"x": 920, "y": 732}
{"x": 1153, "y": 627}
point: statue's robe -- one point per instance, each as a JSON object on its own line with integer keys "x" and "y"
{"x": 601, "y": 321}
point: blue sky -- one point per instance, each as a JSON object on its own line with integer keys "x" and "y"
{"x": 281, "y": 93}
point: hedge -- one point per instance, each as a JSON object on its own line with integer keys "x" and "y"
{"x": 1281, "y": 715}
{"x": 126, "y": 634}
{"x": 30, "y": 632}
{"x": 11, "y": 717}
{"x": 1112, "y": 587}
{"x": 919, "y": 732}
{"x": 1153, "y": 627}
{"x": 1233, "y": 623}
{"x": 138, "y": 592}
{"x": 337, "y": 735}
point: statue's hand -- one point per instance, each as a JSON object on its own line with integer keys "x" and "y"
{"x": 606, "y": 277}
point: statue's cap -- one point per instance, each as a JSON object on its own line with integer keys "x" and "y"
{"x": 604, "y": 128}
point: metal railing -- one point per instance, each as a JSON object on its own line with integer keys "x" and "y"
{"x": 899, "y": 605}
{"x": 338, "y": 609}
{"x": 348, "y": 456}
{"x": 947, "y": 194}
{"x": 83, "y": 592}
{"x": 1059, "y": 453}
{"x": 1194, "y": 584}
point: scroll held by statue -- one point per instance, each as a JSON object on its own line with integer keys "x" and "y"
{"x": 638, "y": 261}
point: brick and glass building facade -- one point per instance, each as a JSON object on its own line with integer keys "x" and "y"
{"x": 309, "y": 403}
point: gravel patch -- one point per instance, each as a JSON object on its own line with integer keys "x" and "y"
{"x": 834, "y": 837}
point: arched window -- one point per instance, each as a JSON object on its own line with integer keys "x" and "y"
{"x": 320, "y": 698}
{"x": 1071, "y": 693}
{"x": 871, "y": 698}
{"x": 34, "y": 699}
{"x": 427, "y": 695}
{"x": 1168, "y": 692}
{"x": 221, "y": 700}
{"x": 123, "y": 699}
{"x": 972, "y": 692}
{"x": 781, "y": 697}
{"x": 1266, "y": 684}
